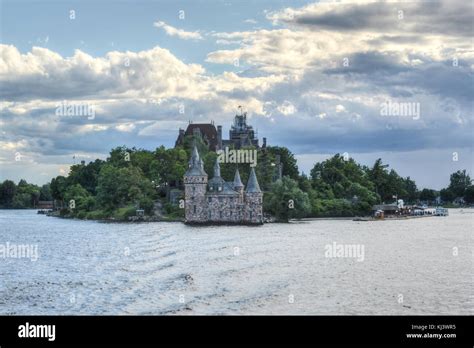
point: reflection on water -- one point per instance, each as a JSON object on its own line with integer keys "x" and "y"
{"x": 419, "y": 266}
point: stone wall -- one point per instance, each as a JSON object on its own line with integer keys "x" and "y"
{"x": 195, "y": 206}
{"x": 253, "y": 208}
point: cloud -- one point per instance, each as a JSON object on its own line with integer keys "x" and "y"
{"x": 315, "y": 83}
{"x": 44, "y": 74}
{"x": 452, "y": 17}
{"x": 182, "y": 34}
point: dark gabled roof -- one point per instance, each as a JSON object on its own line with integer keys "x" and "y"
{"x": 208, "y": 132}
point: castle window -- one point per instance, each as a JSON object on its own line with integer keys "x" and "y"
{"x": 194, "y": 209}
{"x": 220, "y": 214}
{"x": 220, "y": 188}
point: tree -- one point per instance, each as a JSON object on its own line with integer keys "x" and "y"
{"x": 412, "y": 193}
{"x": 118, "y": 187}
{"x": 28, "y": 195}
{"x": 378, "y": 175}
{"x": 459, "y": 182}
{"x": 446, "y": 195}
{"x": 469, "y": 194}
{"x": 58, "y": 187}
{"x": 290, "y": 167}
{"x": 285, "y": 200}
{"x": 78, "y": 198}
{"x": 85, "y": 175}
{"x": 427, "y": 195}
{"x": 7, "y": 193}
{"x": 45, "y": 193}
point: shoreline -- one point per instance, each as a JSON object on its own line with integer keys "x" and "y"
{"x": 335, "y": 218}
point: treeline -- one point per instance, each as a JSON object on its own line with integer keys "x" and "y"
{"x": 23, "y": 195}
{"x": 341, "y": 187}
{"x": 131, "y": 179}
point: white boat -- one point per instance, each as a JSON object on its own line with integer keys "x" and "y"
{"x": 441, "y": 211}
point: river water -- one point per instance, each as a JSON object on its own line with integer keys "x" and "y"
{"x": 418, "y": 266}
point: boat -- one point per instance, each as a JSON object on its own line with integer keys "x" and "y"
{"x": 441, "y": 211}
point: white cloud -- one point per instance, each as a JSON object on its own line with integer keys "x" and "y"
{"x": 182, "y": 34}
{"x": 340, "y": 108}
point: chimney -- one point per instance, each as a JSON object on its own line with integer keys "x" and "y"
{"x": 264, "y": 145}
{"x": 219, "y": 137}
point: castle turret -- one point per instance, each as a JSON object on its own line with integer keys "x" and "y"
{"x": 253, "y": 200}
{"x": 216, "y": 184}
{"x": 237, "y": 181}
{"x": 237, "y": 184}
{"x": 252, "y": 184}
{"x": 195, "y": 184}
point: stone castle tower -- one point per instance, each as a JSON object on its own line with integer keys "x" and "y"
{"x": 217, "y": 201}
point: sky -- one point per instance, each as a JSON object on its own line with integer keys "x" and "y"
{"x": 371, "y": 79}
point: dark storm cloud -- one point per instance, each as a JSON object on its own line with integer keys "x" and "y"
{"x": 431, "y": 17}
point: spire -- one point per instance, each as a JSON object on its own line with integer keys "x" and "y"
{"x": 237, "y": 181}
{"x": 195, "y": 164}
{"x": 194, "y": 160}
{"x": 217, "y": 169}
{"x": 252, "y": 184}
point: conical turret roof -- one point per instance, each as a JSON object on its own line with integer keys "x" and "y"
{"x": 252, "y": 184}
{"x": 217, "y": 169}
{"x": 195, "y": 164}
{"x": 237, "y": 181}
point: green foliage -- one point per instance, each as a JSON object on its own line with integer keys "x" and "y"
{"x": 7, "y": 193}
{"x": 460, "y": 185}
{"x": 134, "y": 178}
{"x": 147, "y": 204}
{"x": 469, "y": 194}
{"x": 173, "y": 211}
{"x": 286, "y": 200}
{"x": 97, "y": 215}
{"x": 83, "y": 201}
{"x": 19, "y": 196}
{"x": 85, "y": 175}
{"x": 45, "y": 193}
{"x": 124, "y": 213}
{"x": 290, "y": 168}
{"x": 459, "y": 182}
{"x": 58, "y": 187}
{"x": 120, "y": 186}
{"x": 427, "y": 195}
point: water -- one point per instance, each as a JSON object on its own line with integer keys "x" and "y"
{"x": 86, "y": 267}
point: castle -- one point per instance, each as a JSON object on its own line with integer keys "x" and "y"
{"x": 241, "y": 134}
{"x": 217, "y": 201}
